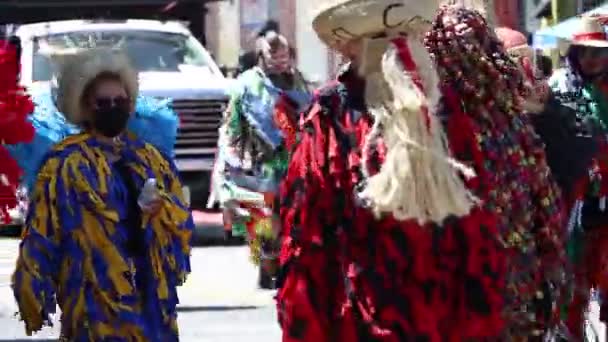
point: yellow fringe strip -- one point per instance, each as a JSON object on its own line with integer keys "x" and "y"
{"x": 263, "y": 233}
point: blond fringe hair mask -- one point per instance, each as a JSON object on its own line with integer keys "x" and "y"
{"x": 418, "y": 179}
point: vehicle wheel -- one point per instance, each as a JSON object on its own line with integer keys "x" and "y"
{"x": 11, "y": 230}
{"x": 265, "y": 279}
{"x": 198, "y": 182}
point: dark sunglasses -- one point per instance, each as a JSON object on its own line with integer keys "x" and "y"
{"x": 110, "y": 102}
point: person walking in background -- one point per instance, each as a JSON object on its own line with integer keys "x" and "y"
{"x": 583, "y": 87}
{"x": 249, "y": 59}
{"x": 569, "y": 153}
{"x": 108, "y": 232}
{"x": 258, "y": 132}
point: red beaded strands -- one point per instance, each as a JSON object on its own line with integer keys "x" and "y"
{"x": 15, "y": 107}
{"x": 514, "y": 179}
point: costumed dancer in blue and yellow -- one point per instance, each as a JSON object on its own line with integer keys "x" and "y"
{"x": 108, "y": 254}
{"x": 258, "y": 132}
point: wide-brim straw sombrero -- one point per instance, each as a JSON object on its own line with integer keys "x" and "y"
{"x": 337, "y": 21}
{"x": 590, "y": 33}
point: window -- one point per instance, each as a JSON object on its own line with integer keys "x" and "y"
{"x": 148, "y": 50}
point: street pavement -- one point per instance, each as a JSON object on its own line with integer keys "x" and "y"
{"x": 220, "y": 301}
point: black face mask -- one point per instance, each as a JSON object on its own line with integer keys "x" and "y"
{"x": 110, "y": 121}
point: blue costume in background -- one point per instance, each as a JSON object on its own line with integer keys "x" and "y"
{"x": 154, "y": 122}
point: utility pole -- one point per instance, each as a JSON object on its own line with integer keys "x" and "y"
{"x": 563, "y": 9}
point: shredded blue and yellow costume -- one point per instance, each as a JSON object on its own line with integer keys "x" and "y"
{"x": 113, "y": 277}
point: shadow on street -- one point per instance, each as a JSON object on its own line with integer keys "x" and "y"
{"x": 214, "y": 308}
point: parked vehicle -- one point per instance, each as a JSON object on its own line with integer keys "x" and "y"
{"x": 172, "y": 64}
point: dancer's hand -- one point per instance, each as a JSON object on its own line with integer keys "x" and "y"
{"x": 150, "y": 199}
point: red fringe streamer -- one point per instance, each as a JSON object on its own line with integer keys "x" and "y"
{"x": 15, "y": 107}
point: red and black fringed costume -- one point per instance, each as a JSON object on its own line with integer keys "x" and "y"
{"x": 348, "y": 275}
{"x": 15, "y": 107}
{"x": 482, "y": 89}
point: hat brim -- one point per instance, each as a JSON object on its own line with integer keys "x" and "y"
{"x": 351, "y": 19}
{"x": 591, "y": 43}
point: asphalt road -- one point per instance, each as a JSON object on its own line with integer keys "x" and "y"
{"x": 219, "y": 303}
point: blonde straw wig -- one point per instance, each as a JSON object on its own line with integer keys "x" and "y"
{"x": 418, "y": 179}
{"x": 80, "y": 70}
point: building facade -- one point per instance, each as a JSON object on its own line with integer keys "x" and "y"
{"x": 233, "y": 25}
{"x": 508, "y": 13}
{"x": 223, "y": 32}
{"x": 539, "y": 13}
